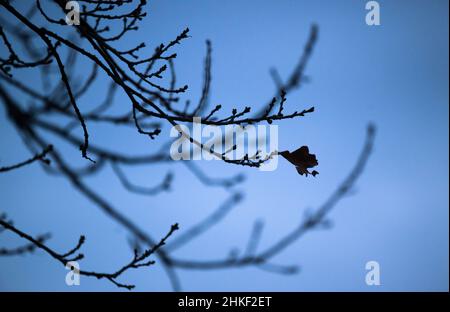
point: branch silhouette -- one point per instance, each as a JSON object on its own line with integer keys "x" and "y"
{"x": 40, "y": 156}
{"x": 40, "y": 41}
{"x": 138, "y": 260}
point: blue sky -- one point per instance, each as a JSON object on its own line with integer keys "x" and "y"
{"x": 394, "y": 75}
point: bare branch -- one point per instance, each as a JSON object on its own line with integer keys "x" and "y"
{"x": 40, "y": 156}
{"x": 139, "y": 260}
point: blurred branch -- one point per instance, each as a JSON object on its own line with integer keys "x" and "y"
{"x": 313, "y": 221}
{"x": 205, "y": 224}
{"x": 164, "y": 185}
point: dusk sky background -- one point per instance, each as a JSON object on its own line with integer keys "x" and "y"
{"x": 394, "y": 75}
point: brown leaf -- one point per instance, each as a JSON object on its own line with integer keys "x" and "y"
{"x": 302, "y": 160}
